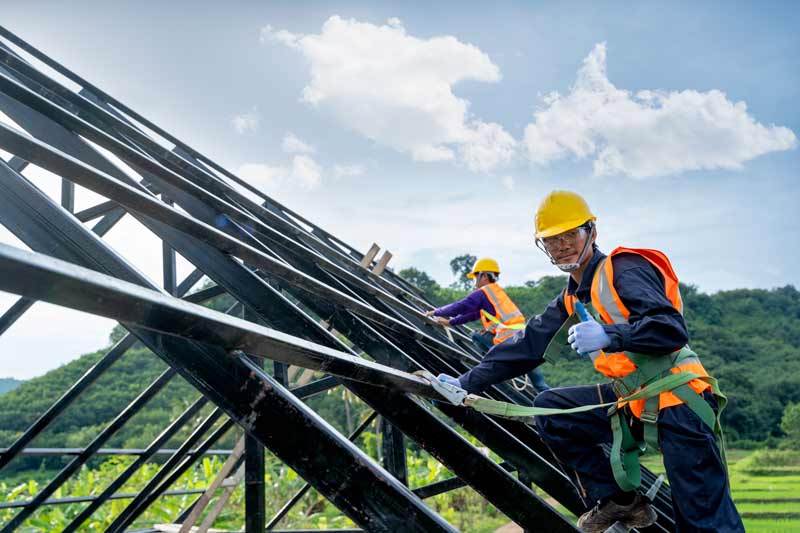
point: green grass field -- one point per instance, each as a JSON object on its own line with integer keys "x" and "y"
{"x": 767, "y": 495}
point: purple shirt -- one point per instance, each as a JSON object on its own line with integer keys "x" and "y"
{"x": 467, "y": 309}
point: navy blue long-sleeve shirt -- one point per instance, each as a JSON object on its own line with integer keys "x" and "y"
{"x": 654, "y": 325}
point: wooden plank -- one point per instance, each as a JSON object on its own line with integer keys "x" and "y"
{"x": 373, "y": 251}
{"x": 382, "y": 262}
{"x": 205, "y": 526}
{"x": 204, "y": 500}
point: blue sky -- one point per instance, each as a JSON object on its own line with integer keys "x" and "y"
{"x": 434, "y": 130}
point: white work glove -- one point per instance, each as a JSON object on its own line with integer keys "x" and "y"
{"x": 588, "y": 337}
{"x": 444, "y": 378}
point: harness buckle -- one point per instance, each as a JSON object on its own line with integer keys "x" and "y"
{"x": 648, "y": 417}
{"x": 620, "y": 388}
{"x": 454, "y": 395}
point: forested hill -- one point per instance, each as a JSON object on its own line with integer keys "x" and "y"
{"x": 7, "y": 384}
{"x": 747, "y": 338}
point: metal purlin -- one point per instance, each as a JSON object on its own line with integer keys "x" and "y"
{"x": 380, "y": 314}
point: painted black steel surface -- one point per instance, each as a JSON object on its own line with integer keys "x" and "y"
{"x": 303, "y": 292}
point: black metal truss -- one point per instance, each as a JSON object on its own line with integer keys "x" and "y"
{"x": 302, "y": 290}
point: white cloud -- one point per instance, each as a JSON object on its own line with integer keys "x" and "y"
{"x": 348, "y": 171}
{"x": 302, "y": 172}
{"x": 305, "y": 172}
{"x": 649, "y": 133}
{"x": 490, "y": 146}
{"x": 397, "y": 89}
{"x": 508, "y": 182}
{"x": 246, "y": 122}
{"x": 292, "y": 144}
{"x": 260, "y": 175}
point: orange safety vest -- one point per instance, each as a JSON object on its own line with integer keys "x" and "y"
{"x": 507, "y": 316}
{"x": 607, "y": 303}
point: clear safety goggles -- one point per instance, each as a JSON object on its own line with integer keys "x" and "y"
{"x": 568, "y": 237}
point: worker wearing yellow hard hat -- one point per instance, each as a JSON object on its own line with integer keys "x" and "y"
{"x": 623, "y": 311}
{"x": 500, "y": 316}
{"x": 561, "y": 217}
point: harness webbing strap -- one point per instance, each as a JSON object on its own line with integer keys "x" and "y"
{"x": 514, "y": 411}
{"x": 625, "y": 452}
{"x": 500, "y": 325}
{"x": 625, "y": 449}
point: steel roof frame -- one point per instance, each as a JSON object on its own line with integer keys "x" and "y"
{"x": 293, "y": 280}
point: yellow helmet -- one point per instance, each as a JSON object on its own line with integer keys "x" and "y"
{"x": 484, "y": 264}
{"x": 561, "y": 211}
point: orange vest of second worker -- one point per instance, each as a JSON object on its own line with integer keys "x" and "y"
{"x": 607, "y": 303}
{"x": 506, "y": 314}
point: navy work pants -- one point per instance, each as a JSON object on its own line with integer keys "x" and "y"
{"x": 485, "y": 340}
{"x": 701, "y": 498}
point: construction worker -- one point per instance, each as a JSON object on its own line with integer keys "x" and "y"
{"x": 501, "y": 318}
{"x": 638, "y": 326}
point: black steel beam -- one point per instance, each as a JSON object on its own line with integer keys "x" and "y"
{"x": 96, "y": 211}
{"x": 178, "y": 462}
{"x": 426, "y": 429}
{"x": 89, "y": 111}
{"x": 446, "y": 485}
{"x": 92, "y": 499}
{"x": 373, "y": 380}
{"x": 131, "y": 409}
{"x": 149, "y": 452}
{"x": 255, "y": 512}
{"x": 14, "y": 313}
{"x": 169, "y": 264}
{"x": 490, "y": 480}
{"x": 134, "y": 199}
{"x": 260, "y": 406}
{"x": 393, "y": 447}
{"x": 247, "y": 288}
{"x": 68, "y": 195}
{"x": 36, "y": 276}
{"x": 58, "y": 407}
{"x": 305, "y": 488}
{"x": 89, "y": 377}
{"x": 60, "y": 452}
{"x": 315, "y": 387}
{"x": 187, "y": 156}
{"x": 188, "y": 166}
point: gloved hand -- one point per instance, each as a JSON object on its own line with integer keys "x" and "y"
{"x": 588, "y": 337}
{"x": 444, "y": 378}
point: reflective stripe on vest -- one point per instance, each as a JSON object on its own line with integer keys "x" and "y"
{"x": 506, "y": 313}
{"x": 611, "y": 310}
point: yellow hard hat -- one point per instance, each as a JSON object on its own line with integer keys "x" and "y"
{"x": 484, "y": 264}
{"x": 561, "y": 211}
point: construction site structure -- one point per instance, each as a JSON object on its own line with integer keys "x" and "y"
{"x": 304, "y": 299}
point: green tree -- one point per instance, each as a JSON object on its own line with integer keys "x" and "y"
{"x": 422, "y": 280}
{"x": 461, "y": 266}
{"x": 790, "y": 424}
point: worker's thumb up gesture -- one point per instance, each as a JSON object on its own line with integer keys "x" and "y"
{"x": 587, "y": 337}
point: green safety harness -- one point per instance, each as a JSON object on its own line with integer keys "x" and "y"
{"x": 652, "y": 376}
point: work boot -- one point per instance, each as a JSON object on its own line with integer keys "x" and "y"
{"x": 639, "y": 513}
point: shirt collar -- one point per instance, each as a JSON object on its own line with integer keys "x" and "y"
{"x": 584, "y": 290}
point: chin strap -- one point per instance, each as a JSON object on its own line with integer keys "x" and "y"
{"x": 568, "y": 267}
